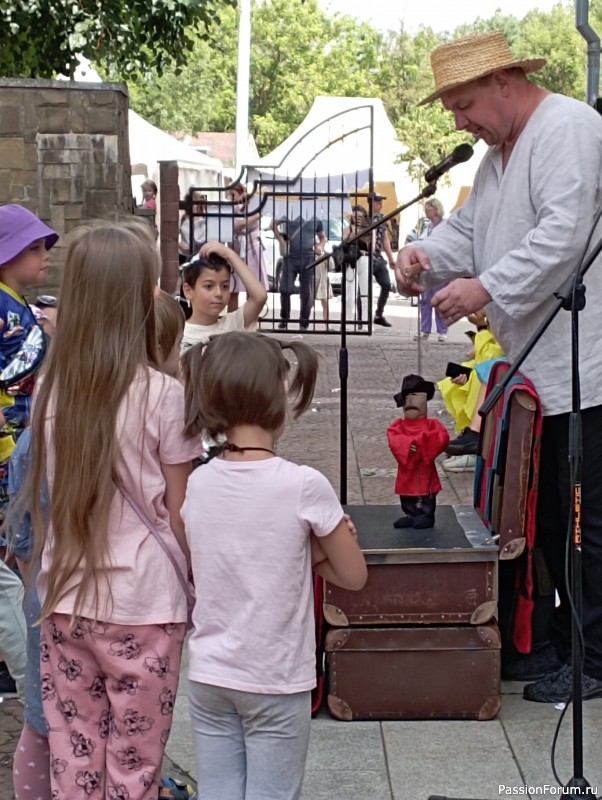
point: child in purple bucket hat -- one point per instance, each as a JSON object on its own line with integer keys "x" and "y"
{"x": 24, "y": 244}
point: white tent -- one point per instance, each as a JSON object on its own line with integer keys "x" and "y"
{"x": 149, "y": 145}
{"x": 333, "y": 148}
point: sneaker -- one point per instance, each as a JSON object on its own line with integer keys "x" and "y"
{"x": 534, "y": 666}
{"x": 465, "y": 463}
{"x": 467, "y": 443}
{"x": 422, "y": 336}
{"x": 282, "y": 325}
{"x": 171, "y": 789}
{"x": 442, "y": 337}
{"x": 558, "y": 687}
{"x": 8, "y": 688}
{"x": 380, "y": 320}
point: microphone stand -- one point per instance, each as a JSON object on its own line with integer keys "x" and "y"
{"x": 428, "y": 191}
{"x": 570, "y": 297}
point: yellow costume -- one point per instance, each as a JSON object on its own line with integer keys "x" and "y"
{"x": 461, "y": 400}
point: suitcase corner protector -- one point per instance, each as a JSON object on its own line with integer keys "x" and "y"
{"x": 339, "y": 708}
{"x": 483, "y": 613}
{"x": 490, "y": 709}
{"x": 513, "y": 548}
{"x": 335, "y": 616}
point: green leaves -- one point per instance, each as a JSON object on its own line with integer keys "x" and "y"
{"x": 42, "y": 38}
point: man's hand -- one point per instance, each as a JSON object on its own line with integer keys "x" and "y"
{"x": 459, "y": 298}
{"x": 411, "y": 261}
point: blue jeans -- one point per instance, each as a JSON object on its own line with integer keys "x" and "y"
{"x": 426, "y": 313}
{"x": 249, "y": 746}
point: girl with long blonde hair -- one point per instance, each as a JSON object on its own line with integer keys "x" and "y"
{"x": 107, "y": 432}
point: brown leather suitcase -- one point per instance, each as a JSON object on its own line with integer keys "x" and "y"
{"x": 445, "y": 575}
{"x": 447, "y": 672}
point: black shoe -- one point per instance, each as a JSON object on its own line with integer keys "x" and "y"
{"x": 404, "y": 522}
{"x": 536, "y": 665}
{"x": 283, "y": 325}
{"x": 422, "y": 523}
{"x": 7, "y": 684}
{"x": 380, "y": 320}
{"x": 558, "y": 687}
{"x": 303, "y": 327}
{"x": 466, "y": 444}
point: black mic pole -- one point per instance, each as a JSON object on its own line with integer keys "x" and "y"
{"x": 570, "y": 296}
{"x": 428, "y": 190}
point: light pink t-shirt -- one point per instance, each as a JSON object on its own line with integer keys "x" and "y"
{"x": 144, "y": 586}
{"x": 247, "y": 525}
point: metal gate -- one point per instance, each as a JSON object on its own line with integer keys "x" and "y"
{"x": 291, "y": 222}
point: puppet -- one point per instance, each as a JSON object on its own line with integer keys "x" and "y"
{"x": 415, "y": 442}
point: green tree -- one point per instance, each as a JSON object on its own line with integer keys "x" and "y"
{"x": 43, "y": 38}
{"x": 297, "y": 52}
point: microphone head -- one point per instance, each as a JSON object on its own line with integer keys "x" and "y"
{"x": 462, "y": 153}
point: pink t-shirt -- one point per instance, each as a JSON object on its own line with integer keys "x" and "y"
{"x": 247, "y": 525}
{"x": 144, "y": 586}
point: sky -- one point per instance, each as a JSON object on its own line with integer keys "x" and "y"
{"x": 441, "y": 15}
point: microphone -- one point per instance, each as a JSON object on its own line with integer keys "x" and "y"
{"x": 460, "y": 154}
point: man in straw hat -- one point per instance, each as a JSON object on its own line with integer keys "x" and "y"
{"x": 519, "y": 237}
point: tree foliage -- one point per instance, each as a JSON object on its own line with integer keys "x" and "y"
{"x": 298, "y": 51}
{"x": 42, "y": 38}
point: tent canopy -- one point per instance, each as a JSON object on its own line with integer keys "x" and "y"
{"x": 149, "y": 145}
{"x": 333, "y": 149}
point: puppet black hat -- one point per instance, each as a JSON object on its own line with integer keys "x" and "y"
{"x": 411, "y": 384}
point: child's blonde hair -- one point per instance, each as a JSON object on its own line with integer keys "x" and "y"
{"x": 170, "y": 322}
{"x": 239, "y": 378}
{"x": 105, "y": 333}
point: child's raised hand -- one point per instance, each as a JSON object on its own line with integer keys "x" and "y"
{"x": 215, "y": 249}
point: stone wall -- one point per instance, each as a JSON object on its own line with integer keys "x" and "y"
{"x": 64, "y": 153}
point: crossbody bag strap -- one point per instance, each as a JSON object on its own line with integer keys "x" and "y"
{"x": 148, "y": 523}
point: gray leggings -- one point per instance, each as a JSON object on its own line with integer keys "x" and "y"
{"x": 249, "y": 746}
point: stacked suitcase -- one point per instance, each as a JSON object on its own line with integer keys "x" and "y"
{"x": 420, "y": 640}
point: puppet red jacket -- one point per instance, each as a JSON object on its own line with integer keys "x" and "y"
{"x": 416, "y": 472}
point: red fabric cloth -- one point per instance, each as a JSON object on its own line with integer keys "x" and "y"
{"x": 416, "y": 472}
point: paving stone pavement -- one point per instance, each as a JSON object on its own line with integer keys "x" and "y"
{"x": 391, "y": 760}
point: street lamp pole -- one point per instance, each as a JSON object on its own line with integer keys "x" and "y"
{"x": 242, "y": 83}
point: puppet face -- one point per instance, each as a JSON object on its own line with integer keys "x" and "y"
{"x": 414, "y": 405}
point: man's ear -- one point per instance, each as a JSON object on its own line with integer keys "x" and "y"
{"x": 187, "y": 291}
{"x": 502, "y": 81}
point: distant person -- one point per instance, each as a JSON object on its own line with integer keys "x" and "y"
{"x": 356, "y": 276}
{"x": 247, "y": 241}
{"x": 187, "y": 247}
{"x": 433, "y": 208}
{"x": 302, "y": 241}
{"x": 380, "y": 270}
{"x": 256, "y": 525}
{"x": 149, "y": 194}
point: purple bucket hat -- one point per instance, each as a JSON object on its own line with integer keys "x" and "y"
{"x": 19, "y": 229}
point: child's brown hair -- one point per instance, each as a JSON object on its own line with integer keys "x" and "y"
{"x": 193, "y": 270}
{"x": 239, "y": 378}
{"x": 170, "y": 319}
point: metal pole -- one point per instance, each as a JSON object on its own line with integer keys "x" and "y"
{"x": 242, "y": 83}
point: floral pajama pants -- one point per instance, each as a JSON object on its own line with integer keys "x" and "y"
{"x": 108, "y": 693}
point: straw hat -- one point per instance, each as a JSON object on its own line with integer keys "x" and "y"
{"x": 473, "y": 57}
